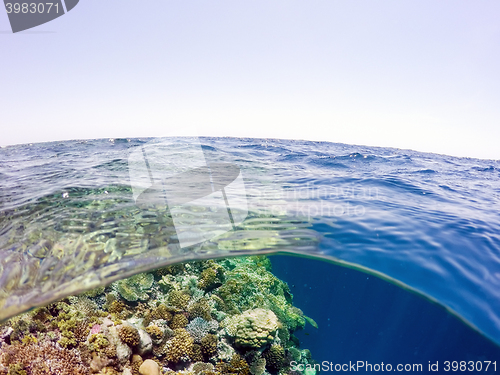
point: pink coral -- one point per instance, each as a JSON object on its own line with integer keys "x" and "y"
{"x": 95, "y": 329}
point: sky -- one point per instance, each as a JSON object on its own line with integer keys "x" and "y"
{"x": 421, "y": 75}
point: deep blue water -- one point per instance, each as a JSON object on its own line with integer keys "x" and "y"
{"x": 364, "y": 318}
{"x": 418, "y": 222}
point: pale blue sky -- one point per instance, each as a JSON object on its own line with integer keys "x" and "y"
{"x": 420, "y": 74}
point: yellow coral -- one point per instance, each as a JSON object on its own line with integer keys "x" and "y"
{"x": 155, "y": 332}
{"x": 129, "y": 335}
{"x": 180, "y": 347}
{"x": 178, "y": 321}
{"x": 254, "y": 328}
{"x": 178, "y": 299}
{"x": 209, "y": 345}
{"x": 200, "y": 309}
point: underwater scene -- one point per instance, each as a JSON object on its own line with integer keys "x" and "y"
{"x": 246, "y": 256}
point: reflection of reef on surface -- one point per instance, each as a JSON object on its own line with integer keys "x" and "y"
{"x": 227, "y": 316}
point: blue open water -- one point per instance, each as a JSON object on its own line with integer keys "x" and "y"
{"x": 402, "y": 228}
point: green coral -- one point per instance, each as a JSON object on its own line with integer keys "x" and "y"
{"x": 178, "y": 299}
{"x": 209, "y": 345}
{"x": 135, "y": 288}
{"x": 249, "y": 284}
{"x": 252, "y": 329}
{"x": 211, "y": 277}
{"x": 253, "y": 308}
{"x": 16, "y": 369}
{"x": 68, "y": 323}
{"x": 275, "y": 358}
{"x": 200, "y": 309}
{"x": 98, "y": 342}
{"x": 178, "y": 321}
{"x": 180, "y": 347}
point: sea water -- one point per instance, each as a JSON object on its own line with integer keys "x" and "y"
{"x": 407, "y": 244}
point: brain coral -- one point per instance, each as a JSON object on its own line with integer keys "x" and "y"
{"x": 253, "y": 328}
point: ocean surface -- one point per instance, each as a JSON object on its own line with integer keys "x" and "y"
{"x": 396, "y": 252}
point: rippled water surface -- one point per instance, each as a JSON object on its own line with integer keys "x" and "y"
{"x": 431, "y": 223}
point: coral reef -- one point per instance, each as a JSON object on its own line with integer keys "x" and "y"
{"x": 215, "y": 317}
{"x": 209, "y": 345}
{"x": 129, "y": 335}
{"x": 211, "y": 277}
{"x": 200, "y": 309}
{"x": 199, "y": 328}
{"x": 237, "y": 365}
{"x": 178, "y": 299}
{"x": 42, "y": 358}
{"x": 275, "y": 357}
{"x": 253, "y": 329}
{"x": 179, "y": 321}
{"x": 179, "y": 348}
{"x": 200, "y": 368}
{"x": 258, "y": 366}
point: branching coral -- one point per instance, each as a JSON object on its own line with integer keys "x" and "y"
{"x": 129, "y": 335}
{"x": 180, "y": 347}
{"x": 196, "y": 353}
{"x": 209, "y": 345}
{"x": 97, "y": 342}
{"x": 116, "y": 307}
{"x": 211, "y": 277}
{"x": 43, "y": 358}
{"x": 199, "y": 328}
{"x": 135, "y": 363}
{"x": 155, "y": 332}
{"x": 178, "y": 321}
{"x": 237, "y": 365}
{"x": 160, "y": 312}
{"x": 200, "y": 309}
{"x": 178, "y": 299}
